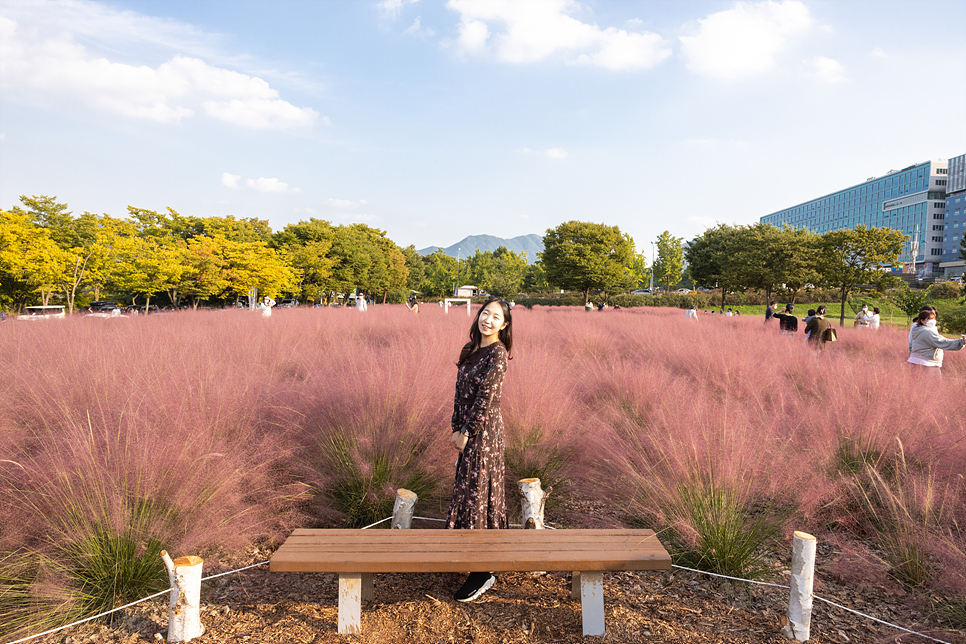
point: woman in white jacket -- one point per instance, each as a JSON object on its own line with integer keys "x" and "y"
{"x": 926, "y": 346}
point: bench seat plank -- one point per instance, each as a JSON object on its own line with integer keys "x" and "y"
{"x": 402, "y": 551}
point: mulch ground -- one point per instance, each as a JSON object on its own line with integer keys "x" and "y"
{"x": 677, "y": 606}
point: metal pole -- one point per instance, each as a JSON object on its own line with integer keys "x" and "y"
{"x": 652, "y": 267}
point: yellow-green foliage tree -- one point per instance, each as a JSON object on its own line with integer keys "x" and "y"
{"x": 30, "y": 261}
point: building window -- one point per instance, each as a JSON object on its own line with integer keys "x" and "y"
{"x": 936, "y": 251}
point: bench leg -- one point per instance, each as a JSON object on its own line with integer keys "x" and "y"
{"x": 350, "y": 603}
{"x": 368, "y": 594}
{"x": 592, "y": 602}
{"x": 575, "y": 585}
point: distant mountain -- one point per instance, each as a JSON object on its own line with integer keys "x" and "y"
{"x": 531, "y": 244}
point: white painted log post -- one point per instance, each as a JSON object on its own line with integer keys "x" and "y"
{"x": 800, "y": 596}
{"x": 533, "y": 502}
{"x": 402, "y": 511}
{"x": 184, "y": 612}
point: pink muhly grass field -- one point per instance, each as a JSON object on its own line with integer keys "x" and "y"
{"x": 210, "y": 431}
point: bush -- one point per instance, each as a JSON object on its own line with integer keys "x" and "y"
{"x": 712, "y": 529}
{"x": 953, "y": 321}
{"x": 945, "y": 291}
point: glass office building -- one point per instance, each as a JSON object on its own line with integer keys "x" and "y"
{"x": 912, "y": 200}
{"x": 952, "y": 264}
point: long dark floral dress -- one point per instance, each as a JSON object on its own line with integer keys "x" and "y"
{"x": 478, "y": 493}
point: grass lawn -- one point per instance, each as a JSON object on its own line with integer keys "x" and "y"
{"x": 890, "y": 313}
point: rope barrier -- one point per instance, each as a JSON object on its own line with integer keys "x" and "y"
{"x": 517, "y": 525}
{"x": 822, "y": 599}
{"x": 714, "y": 574}
{"x": 874, "y": 619}
{"x": 143, "y": 599}
{"x": 87, "y": 619}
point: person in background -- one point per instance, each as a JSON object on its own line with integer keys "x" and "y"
{"x": 267, "y": 304}
{"x": 479, "y": 499}
{"x": 770, "y": 311}
{"x": 926, "y": 346}
{"x": 361, "y": 304}
{"x": 692, "y": 313}
{"x": 876, "y": 319}
{"x": 787, "y": 322}
{"x": 863, "y": 318}
{"x": 816, "y": 327}
{"x": 730, "y": 313}
{"x": 588, "y": 307}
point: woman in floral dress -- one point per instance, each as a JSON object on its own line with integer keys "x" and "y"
{"x": 478, "y": 494}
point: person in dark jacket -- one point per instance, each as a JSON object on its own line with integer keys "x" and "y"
{"x": 787, "y": 322}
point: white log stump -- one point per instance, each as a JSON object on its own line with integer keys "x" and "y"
{"x": 184, "y": 612}
{"x": 402, "y": 511}
{"x": 800, "y": 595}
{"x": 592, "y": 602}
{"x": 532, "y": 503}
{"x": 350, "y": 603}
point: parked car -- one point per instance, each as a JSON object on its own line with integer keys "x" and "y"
{"x": 686, "y": 291}
{"x": 42, "y": 313}
{"x": 287, "y": 304}
{"x": 641, "y": 291}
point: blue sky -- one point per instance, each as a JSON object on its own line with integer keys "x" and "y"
{"x": 438, "y": 120}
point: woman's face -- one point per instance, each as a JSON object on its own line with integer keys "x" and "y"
{"x": 491, "y": 321}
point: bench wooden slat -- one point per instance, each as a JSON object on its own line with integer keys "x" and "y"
{"x": 401, "y": 551}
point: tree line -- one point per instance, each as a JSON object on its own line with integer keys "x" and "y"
{"x": 45, "y": 250}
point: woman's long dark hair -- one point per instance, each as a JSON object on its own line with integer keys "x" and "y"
{"x": 505, "y": 335}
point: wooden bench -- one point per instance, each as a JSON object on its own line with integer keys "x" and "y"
{"x": 356, "y": 554}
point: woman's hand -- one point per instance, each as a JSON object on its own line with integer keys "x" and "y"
{"x": 459, "y": 441}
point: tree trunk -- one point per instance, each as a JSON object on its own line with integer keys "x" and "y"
{"x": 385, "y": 294}
{"x": 147, "y": 304}
{"x": 722, "y": 299}
{"x": 845, "y": 295}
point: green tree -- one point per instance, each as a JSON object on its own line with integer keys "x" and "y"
{"x": 535, "y": 280}
{"x": 509, "y": 270}
{"x": 669, "y": 265}
{"x": 416, "y": 268}
{"x": 856, "y": 258}
{"x": 307, "y": 246}
{"x": 909, "y": 301}
{"x": 777, "y": 259}
{"x": 712, "y": 260}
{"x": 639, "y": 270}
{"x": 440, "y": 274}
{"x": 580, "y": 256}
{"x": 478, "y": 270}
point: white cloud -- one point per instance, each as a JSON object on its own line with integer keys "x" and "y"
{"x": 229, "y": 180}
{"x": 524, "y": 150}
{"x": 269, "y": 185}
{"x": 391, "y": 8}
{"x": 556, "y": 153}
{"x": 45, "y": 65}
{"x": 416, "y": 29}
{"x": 744, "y": 41}
{"x": 527, "y": 32}
{"x": 346, "y": 203}
{"x": 828, "y": 70}
{"x": 879, "y": 53}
